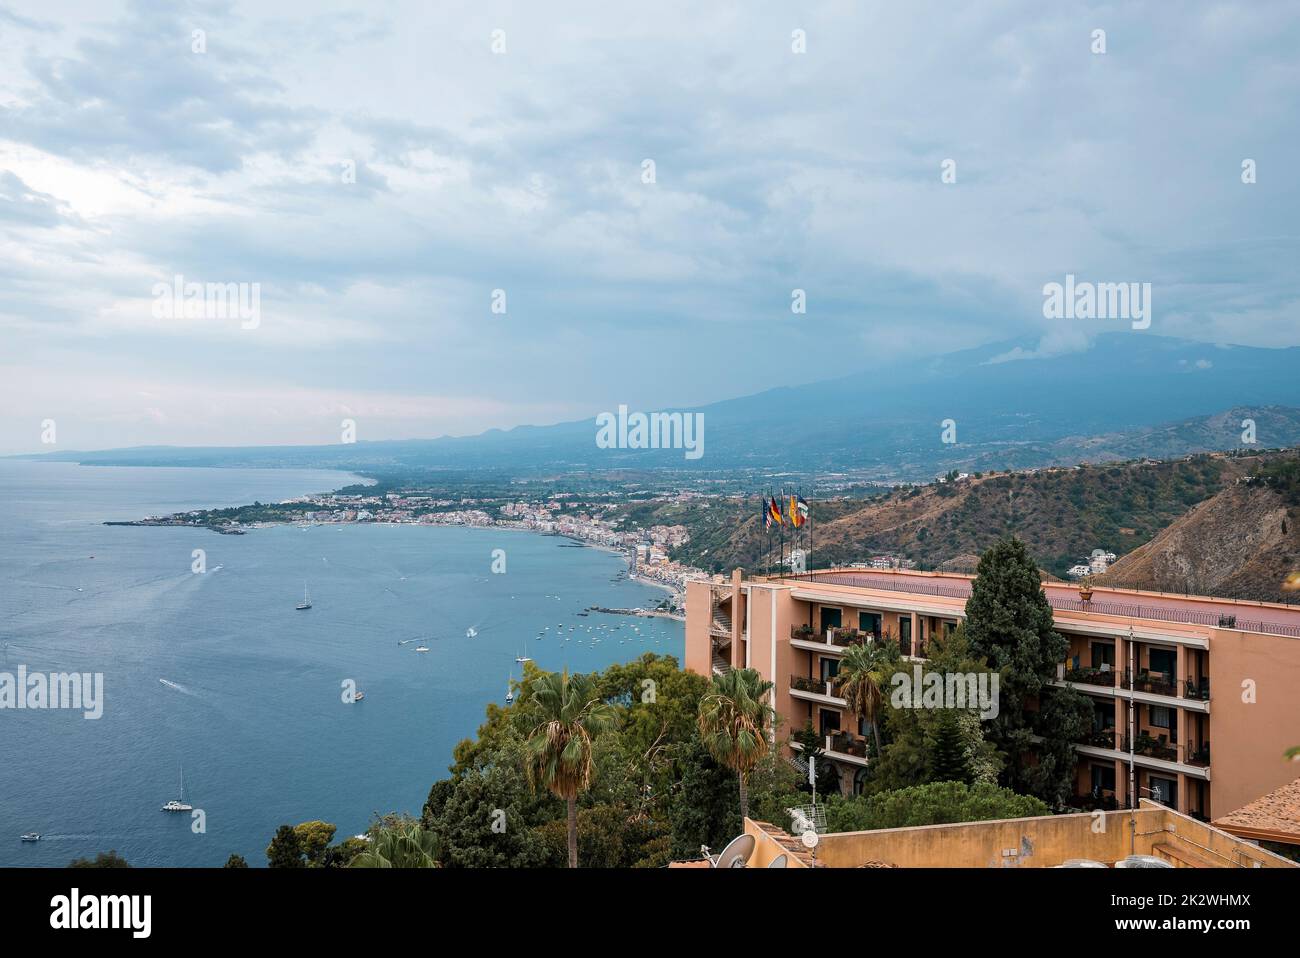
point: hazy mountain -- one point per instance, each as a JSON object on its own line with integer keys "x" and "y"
{"x": 1128, "y": 394}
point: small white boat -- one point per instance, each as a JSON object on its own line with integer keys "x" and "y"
{"x": 359, "y": 696}
{"x": 471, "y": 632}
{"x": 306, "y": 599}
{"x": 30, "y": 837}
{"x": 179, "y": 804}
{"x": 510, "y": 693}
{"x": 422, "y": 648}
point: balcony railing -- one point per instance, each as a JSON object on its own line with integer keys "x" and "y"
{"x": 846, "y": 637}
{"x": 1152, "y": 747}
{"x": 1194, "y": 689}
{"x": 1099, "y": 738}
{"x": 1091, "y": 676}
{"x": 1197, "y": 754}
{"x": 805, "y": 684}
{"x": 1156, "y": 683}
{"x": 958, "y": 589}
{"x": 804, "y": 633}
{"x": 846, "y": 744}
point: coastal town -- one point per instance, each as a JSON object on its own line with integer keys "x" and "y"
{"x": 595, "y": 524}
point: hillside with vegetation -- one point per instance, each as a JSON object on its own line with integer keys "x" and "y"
{"x": 1061, "y": 514}
{"x": 1242, "y": 542}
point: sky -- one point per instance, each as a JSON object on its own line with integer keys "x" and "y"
{"x": 502, "y": 148}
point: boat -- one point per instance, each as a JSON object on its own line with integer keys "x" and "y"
{"x": 422, "y": 648}
{"x": 306, "y": 599}
{"x": 179, "y": 804}
{"x": 524, "y": 657}
{"x": 510, "y": 693}
{"x": 30, "y": 837}
{"x": 471, "y": 632}
{"x": 358, "y": 696}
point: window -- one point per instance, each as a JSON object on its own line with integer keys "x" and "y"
{"x": 1162, "y": 660}
{"x": 1103, "y": 655}
{"x": 869, "y": 622}
{"x": 1161, "y": 717}
{"x": 830, "y": 618}
{"x": 1103, "y": 779}
{"x": 1163, "y": 790}
{"x": 830, "y": 668}
{"x": 905, "y": 634}
{"x": 828, "y": 720}
{"x": 1103, "y": 715}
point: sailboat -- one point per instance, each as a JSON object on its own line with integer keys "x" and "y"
{"x": 522, "y": 658}
{"x": 306, "y": 599}
{"x": 178, "y": 804}
{"x": 510, "y": 693}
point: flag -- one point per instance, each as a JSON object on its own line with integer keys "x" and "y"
{"x": 774, "y": 512}
{"x": 793, "y": 512}
{"x": 767, "y": 514}
{"x": 803, "y": 510}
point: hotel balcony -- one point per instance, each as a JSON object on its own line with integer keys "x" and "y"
{"x": 1149, "y": 752}
{"x": 814, "y": 690}
{"x": 842, "y": 747}
{"x": 1151, "y": 688}
{"x": 1158, "y": 747}
{"x": 1099, "y": 738}
{"x": 834, "y": 641}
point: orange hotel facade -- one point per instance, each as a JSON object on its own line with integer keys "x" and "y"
{"x": 1214, "y": 683}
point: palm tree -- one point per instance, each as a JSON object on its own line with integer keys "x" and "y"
{"x": 734, "y": 721}
{"x": 864, "y": 672}
{"x": 558, "y": 750}
{"x": 400, "y": 846}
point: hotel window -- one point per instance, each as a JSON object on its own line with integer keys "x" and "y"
{"x": 869, "y": 622}
{"x": 1103, "y": 779}
{"x": 830, "y": 669}
{"x": 829, "y": 721}
{"x": 1162, "y": 660}
{"x": 1161, "y": 717}
{"x": 830, "y": 619}
{"x": 1103, "y": 655}
{"x": 1163, "y": 790}
{"x": 905, "y": 634}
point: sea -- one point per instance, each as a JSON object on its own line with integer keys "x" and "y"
{"x": 214, "y": 675}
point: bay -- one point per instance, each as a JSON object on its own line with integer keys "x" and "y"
{"x": 218, "y": 671}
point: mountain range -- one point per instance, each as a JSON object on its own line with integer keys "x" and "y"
{"x": 1126, "y": 395}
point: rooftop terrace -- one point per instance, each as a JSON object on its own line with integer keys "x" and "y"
{"x": 1242, "y": 615}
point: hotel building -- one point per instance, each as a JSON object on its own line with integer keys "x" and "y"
{"x": 1213, "y": 684}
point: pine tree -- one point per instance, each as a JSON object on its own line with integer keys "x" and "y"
{"x": 1009, "y": 625}
{"x": 948, "y": 751}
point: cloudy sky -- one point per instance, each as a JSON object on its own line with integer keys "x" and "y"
{"x": 127, "y": 158}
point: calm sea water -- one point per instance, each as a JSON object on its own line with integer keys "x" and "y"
{"x": 219, "y": 672}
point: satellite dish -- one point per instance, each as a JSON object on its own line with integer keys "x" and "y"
{"x": 737, "y": 852}
{"x": 809, "y": 839}
{"x": 777, "y": 862}
{"x": 1143, "y": 861}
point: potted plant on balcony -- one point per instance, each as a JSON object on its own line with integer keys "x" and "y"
{"x": 1085, "y": 588}
{"x": 803, "y": 632}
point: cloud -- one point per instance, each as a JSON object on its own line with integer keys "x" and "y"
{"x": 126, "y": 159}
